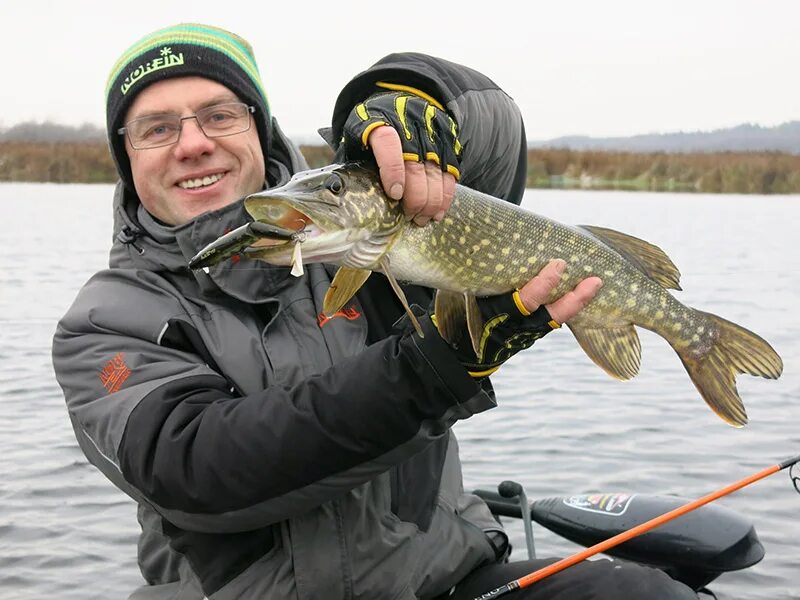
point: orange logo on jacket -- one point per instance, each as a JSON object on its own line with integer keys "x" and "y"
{"x": 115, "y": 373}
{"x": 349, "y": 313}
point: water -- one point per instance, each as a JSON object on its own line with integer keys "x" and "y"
{"x": 562, "y": 426}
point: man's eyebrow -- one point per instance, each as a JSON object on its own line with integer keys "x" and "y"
{"x": 219, "y": 99}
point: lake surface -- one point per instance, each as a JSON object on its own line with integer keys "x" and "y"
{"x": 562, "y": 427}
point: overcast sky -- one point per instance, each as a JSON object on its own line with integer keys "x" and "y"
{"x": 601, "y": 68}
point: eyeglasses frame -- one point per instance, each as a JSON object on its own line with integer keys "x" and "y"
{"x": 251, "y": 110}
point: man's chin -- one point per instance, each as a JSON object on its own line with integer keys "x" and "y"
{"x": 193, "y": 205}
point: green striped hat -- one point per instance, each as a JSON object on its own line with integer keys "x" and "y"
{"x": 180, "y": 51}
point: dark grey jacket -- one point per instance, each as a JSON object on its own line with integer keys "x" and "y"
{"x": 273, "y": 453}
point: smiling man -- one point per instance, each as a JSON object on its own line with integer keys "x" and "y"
{"x": 185, "y": 166}
{"x": 272, "y": 453}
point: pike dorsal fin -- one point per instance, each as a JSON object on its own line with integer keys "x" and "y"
{"x": 648, "y": 258}
{"x": 384, "y": 264}
{"x": 345, "y": 284}
{"x": 616, "y": 350}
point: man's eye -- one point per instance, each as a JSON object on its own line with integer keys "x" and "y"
{"x": 159, "y": 130}
{"x": 219, "y": 117}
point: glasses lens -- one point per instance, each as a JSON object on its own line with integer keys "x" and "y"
{"x": 154, "y": 131}
{"x": 224, "y": 119}
{"x": 162, "y": 130}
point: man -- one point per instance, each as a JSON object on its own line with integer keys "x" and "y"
{"x": 274, "y": 454}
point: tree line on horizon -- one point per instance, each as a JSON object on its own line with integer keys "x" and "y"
{"x": 721, "y": 172}
{"x": 747, "y": 137}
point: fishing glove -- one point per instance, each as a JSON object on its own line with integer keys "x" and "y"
{"x": 508, "y": 327}
{"x": 426, "y": 131}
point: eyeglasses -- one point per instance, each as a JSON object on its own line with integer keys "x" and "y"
{"x": 219, "y": 120}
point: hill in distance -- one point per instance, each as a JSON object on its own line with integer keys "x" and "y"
{"x": 742, "y": 138}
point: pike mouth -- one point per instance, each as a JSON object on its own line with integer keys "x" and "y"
{"x": 318, "y": 238}
{"x": 281, "y": 214}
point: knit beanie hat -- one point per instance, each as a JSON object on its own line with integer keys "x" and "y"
{"x": 179, "y": 51}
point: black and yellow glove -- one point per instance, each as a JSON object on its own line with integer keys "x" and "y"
{"x": 427, "y": 132}
{"x": 508, "y": 328}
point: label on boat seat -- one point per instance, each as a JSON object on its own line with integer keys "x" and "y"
{"x": 604, "y": 504}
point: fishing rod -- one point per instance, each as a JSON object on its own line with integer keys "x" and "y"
{"x": 618, "y": 539}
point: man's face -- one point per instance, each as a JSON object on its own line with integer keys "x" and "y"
{"x": 163, "y": 176}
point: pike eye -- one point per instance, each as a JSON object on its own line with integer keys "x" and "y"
{"x": 334, "y": 184}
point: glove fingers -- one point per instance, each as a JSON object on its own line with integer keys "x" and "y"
{"x": 426, "y": 132}
{"x": 438, "y": 138}
{"x": 502, "y": 330}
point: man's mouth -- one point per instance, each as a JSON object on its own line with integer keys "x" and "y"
{"x": 200, "y": 182}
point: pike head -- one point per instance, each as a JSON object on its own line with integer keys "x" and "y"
{"x": 340, "y": 214}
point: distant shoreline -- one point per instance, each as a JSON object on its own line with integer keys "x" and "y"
{"x": 718, "y": 172}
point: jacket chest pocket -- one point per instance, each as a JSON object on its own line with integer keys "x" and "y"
{"x": 299, "y": 343}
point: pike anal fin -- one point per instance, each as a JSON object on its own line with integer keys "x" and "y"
{"x": 616, "y": 350}
{"x": 345, "y": 284}
{"x": 735, "y": 350}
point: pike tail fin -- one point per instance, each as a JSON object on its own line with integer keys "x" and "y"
{"x": 735, "y": 350}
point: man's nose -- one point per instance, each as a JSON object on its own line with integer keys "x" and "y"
{"x": 192, "y": 142}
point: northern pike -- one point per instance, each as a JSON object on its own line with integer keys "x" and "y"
{"x": 485, "y": 246}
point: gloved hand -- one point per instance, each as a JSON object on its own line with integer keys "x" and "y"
{"x": 508, "y": 328}
{"x": 427, "y": 132}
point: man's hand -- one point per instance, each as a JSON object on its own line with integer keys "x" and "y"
{"x": 536, "y": 291}
{"x": 514, "y": 321}
{"x": 415, "y": 145}
{"x": 426, "y": 192}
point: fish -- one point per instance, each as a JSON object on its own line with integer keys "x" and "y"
{"x": 485, "y": 246}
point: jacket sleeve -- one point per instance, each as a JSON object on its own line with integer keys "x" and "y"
{"x": 491, "y": 130}
{"x": 168, "y": 430}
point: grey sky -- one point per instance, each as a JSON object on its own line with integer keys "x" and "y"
{"x": 614, "y": 67}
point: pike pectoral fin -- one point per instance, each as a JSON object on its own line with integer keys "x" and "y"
{"x": 713, "y": 372}
{"x": 648, "y": 258}
{"x": 345, "y": 284}
{"x": 616, "y": 350}
{"x": 384, "y": 264}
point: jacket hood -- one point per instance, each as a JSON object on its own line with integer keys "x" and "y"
{"x": 142, "y": 242}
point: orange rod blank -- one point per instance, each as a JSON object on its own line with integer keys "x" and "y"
{"x": 618, "y": 539}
